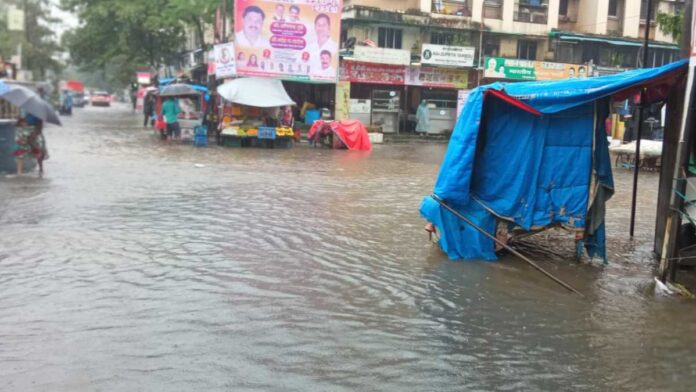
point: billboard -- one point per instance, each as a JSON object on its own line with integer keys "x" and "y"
{"x": 291, "y": 40}
{"x": 500, "y": 68}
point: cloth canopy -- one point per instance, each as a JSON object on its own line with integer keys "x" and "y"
{"x": 257, "y": 92}
{"x": 534, "y": 154}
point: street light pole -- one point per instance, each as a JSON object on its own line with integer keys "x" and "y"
{"x": 640, "y": 121}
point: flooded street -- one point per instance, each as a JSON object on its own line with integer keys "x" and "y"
{"x": 139, "y": 265}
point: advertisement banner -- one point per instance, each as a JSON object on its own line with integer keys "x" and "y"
{"x": 500, "y": 68}
{"x": 288, "y": 40}
{"x": 143, "y": 77}
{"x": 225, "y": 65}
{"x": 342, "y": 100}
{"x": 437, "y": 77}
{"x": 373, "y": 73}
{"x": 369, "y": 54}
{"x": 462, "y": 96}
{"x": 453, "y": 56}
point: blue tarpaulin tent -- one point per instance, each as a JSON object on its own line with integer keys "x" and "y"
{"x": 534, "y": 155}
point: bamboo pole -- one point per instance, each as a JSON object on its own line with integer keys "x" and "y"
{"x": 506, "y": 246}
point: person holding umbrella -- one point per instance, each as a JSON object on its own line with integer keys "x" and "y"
{"x": 170, "y": 112}
{"x": 29, "y": 139}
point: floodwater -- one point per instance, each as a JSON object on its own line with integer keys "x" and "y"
{"x": 137, "y": 265}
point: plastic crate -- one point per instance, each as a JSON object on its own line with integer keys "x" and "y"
{"x": 200, "y": 140}
{"x": 200, "y": 130}
{"x": 311, "y": 116}
{"x": 267, "y": 133}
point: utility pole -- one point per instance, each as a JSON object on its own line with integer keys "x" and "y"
{"x": 641, "y": 109}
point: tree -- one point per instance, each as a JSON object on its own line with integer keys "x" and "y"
{"x": 671, "y": 24}
{"x": 134, "y": 33}
{"x": 38, "y": 44}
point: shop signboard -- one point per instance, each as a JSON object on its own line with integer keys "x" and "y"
{"x": 288, "y": 40}
{"x": 437, "y": 77}
{"x": 501, "y": 68}
{"x": 143, "y": 77}
{"x": 225, "y": 65}
{"x": 372, "y": 73}
{"x": 368, "y": 54}
{"x": 453, "y": 56}
{"x": 15, "y": 18}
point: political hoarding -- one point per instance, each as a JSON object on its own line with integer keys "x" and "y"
{"x": 291, "y": 40}
{"x": 224, "y": 61}
{"x": 501, "y": 68}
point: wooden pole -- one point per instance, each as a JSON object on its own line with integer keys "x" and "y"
{"x": 506, "y": 246}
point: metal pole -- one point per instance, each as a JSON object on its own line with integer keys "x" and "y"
{"x": 506, "y": 246}
{"x": 640, "y": 122}
{"x": 480, "y": 72}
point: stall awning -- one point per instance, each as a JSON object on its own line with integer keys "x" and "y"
{"x": 611, "y": 41}
{"x": 258, "y": 92}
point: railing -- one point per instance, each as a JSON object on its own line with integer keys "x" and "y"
{"x": 452, "y": 7}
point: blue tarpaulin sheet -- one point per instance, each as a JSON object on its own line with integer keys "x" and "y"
{"x": 533, "y": 170}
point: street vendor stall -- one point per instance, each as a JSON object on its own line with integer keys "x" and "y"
{"x": 191, "y": 103}
{"x": 344, "y": 134}
{"x": 249, "y": 114}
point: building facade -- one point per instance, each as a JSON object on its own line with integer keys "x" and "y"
{"x": 530, "y": 39}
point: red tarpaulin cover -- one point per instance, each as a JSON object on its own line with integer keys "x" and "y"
{"x": 351, "y": 132}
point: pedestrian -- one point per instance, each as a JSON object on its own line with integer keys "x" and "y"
{"x": 29, "y": 139}
{"x": 148, "y": 109}
{"x": 423, "y": 118}
{"x": 170, "y": 111}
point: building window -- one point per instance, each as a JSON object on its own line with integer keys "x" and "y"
{"x": 441, "y": 38}
{"x": 563, "y": 8}
{"x": 389, "y": 38}
{"x": 614, "y": 8}
{"x": 491, "y": 46}
{"x": 644, "y": 10}
{"x": 526, "y": 50}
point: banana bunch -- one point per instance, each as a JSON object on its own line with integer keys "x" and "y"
{"x": 282, "y": 132}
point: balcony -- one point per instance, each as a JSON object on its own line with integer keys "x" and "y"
{"x": 531, "y": 11}
{"x": 452, "y": 7}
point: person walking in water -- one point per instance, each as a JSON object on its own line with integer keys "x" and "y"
{"x": 29, "y": 139}
{"x": 148, "y": 109}
{"x": 170, "y": 111}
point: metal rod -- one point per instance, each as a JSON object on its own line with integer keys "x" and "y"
{"x": 506, "y": 246}
{"x": 636, "y": 167}
{"x": 640, "y": 122}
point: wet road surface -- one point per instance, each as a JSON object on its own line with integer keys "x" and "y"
{"x": 137, "y": 265}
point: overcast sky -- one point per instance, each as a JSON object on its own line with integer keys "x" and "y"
{"x": 66, "y": 21}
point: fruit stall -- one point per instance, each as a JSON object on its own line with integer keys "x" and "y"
{"x": 248, "y": 112}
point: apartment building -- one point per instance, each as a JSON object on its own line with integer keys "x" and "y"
{"x": 385, "y": 41}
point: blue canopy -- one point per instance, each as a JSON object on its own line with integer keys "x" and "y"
{"x": 534, "y": 156}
